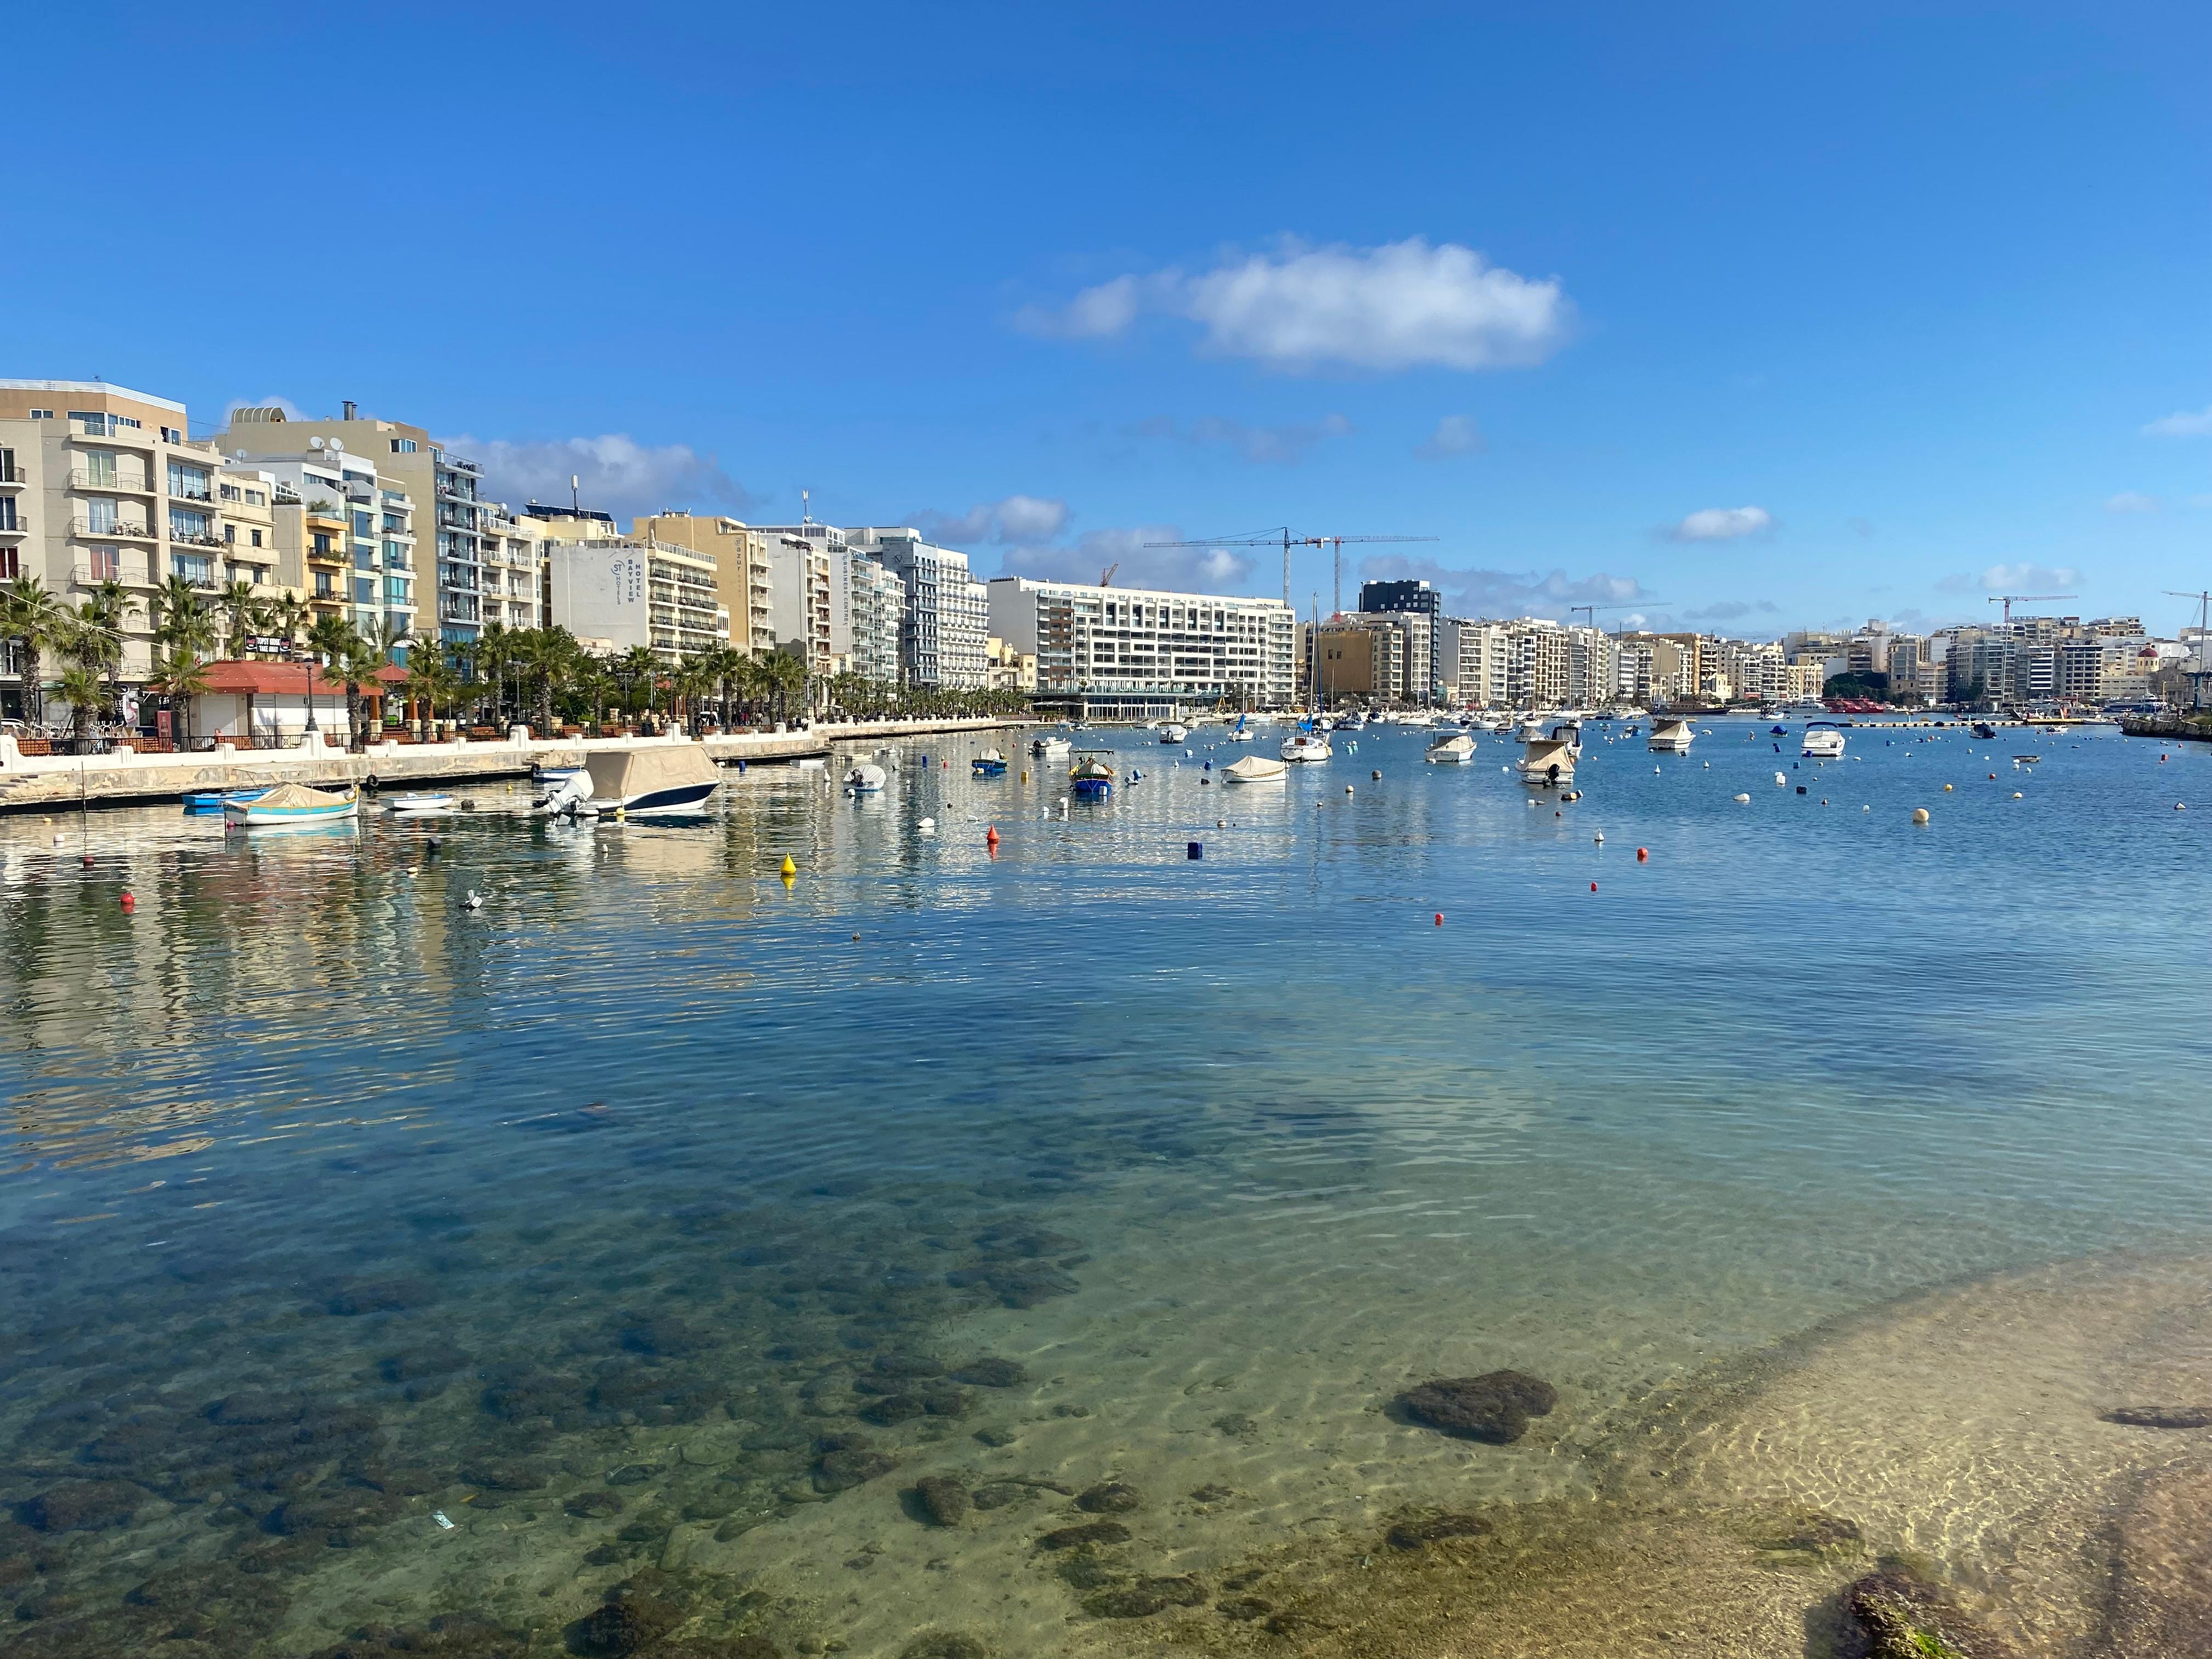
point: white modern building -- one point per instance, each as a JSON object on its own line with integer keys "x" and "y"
{"x": 1110, "y": 651}
{"x": 363, "y": 564}
{"x": 948, "y": 623}
{"x": 616, "y": 594}
{"x": 876, "y": 599}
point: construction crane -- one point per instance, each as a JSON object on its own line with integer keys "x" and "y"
{"x": 1591, "y": 611}
{"x": 2203, "y": 637}
{"x": 1281, "y": 535}
{"x": 1106, "y": 577}
{"x": 2007, "y": 600}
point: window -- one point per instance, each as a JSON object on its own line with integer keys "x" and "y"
{"x": 322, "y": 546}
{"x": 403, "y": 446}
{"x": 195, "y": 568}
{"x": 364, "y": 556}
{"x": 187, "y": 526}
{"x": 189, "y": 482}
{"x": 395, "y": 524}
{"x": 395, "y": 591}
{"x": 230, "y": 492}
{"x": 106, "y": 565}
{"x": 230, "y": 532}
{"x": 395, "y": 556}
{"x": 100, "y": 516}
{"x": 100, "y": 469}
{"x": 364, "y": 590}
{"x": 323, "y": 589}
{"x": 363, "y": 524}
{"x": 42, "y": 413}
{"x": 257, "y": 538}
{"x": 9, "y": 561}
{"x": 257, "y": 498}
{"x": 171, "y": 435}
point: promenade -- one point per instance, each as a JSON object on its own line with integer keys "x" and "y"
{"x": 44, "y": 783}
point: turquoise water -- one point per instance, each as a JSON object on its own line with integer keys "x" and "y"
{"x": 583, "y": 1218}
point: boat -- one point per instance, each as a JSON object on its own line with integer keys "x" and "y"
{"x": 1238, "y": 734}
{"x": 289, "y": 804}
{"x": 1670, "y": 737}
{"x": 1548, "y": 761}
{"x": 418, "y": 804}
{"x": 1305, "y": 746}
{"x": 865, "y": 779}
{"x": 552, "y": 777}
{"x": 1531, "y": 729}
{"x": 1173, "y": 733}
{"x": 1824, "y": 740}
{"x": 988, "y": 765}
{"x": 664, "y": 778}
{"x": 1091, "y": 774}
{"x": 1457, "y": 749}
{"x": 204, "y": 803}
{"x": 1049, "y": 744}
{"x": 1983, "y": 729}
{"x": 1355, "y": 721}
{"x": 1256, "y": 768}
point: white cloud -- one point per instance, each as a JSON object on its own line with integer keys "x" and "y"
{"x": 2181, "y": 423}
{"x": 1500, "y": 594}
{"x": 2022, "y": 578}
{"x": 1733, "y": 609}
{"x": 1721, "y": 523}
{"x": 1277, "y": 445}
{"x": 1455, "y": 435}
{"x": 2130, "y": 500}
{"x": 618, "y": 474}
{"x": 1404, "y": 305}
{"x": 1009, "y": 519}
{"x": 1172, "y": 569}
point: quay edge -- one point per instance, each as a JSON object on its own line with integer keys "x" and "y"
{"x": 61, "y": 782}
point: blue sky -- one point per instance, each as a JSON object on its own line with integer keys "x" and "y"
{"x": 1775, "y": 316}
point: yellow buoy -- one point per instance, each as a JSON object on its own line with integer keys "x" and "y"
{"x": 789, "y": 868}
{"x": 1947, "y": 788}
{"x": 2015, "y": 794}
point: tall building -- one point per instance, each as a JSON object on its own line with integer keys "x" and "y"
{"x": 448, "y": 487}
{"x": 617, "y": 593}
{"x": 802, "y": 602}
{"x": 348, "y": 529}
{"x": 739, "y": 552}
{"x": 1136, "y": 652}
{"x": 1415, "y": 598}
{"x": 1480, "y": 674}
{"x": 99, "y": 482}
{"x": 878, "y": 604}
{"x": 948, "y": 613}
{"x": 1361, "y": 657}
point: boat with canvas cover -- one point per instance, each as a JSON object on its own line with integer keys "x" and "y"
{"x": 289, "y": 804}
{"x": 1256, "y": 768}
{"x": 675, "y": 777}
{"x": 1670, "y": 737}
{"x": 1457, "y": 749}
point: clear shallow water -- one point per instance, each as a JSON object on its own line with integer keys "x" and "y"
{"x": 327, "y": 1205}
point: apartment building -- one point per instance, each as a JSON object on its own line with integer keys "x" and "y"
{"x": 802, "y": 596}
{"x": 1009, "y": 670}
{"x": 1415, "y": 598}
{"x": 1358, "y": 659}
{"x": 1481, "y": 655}
{"x": 99, "y": 484}
{"x": 446, "y": 488}
{"x": 742, "y": 571}
{"x": 510, "y": 591}
{"x": 1112, "y": 650}
{"x": 340, "y": 531}
{"x": 878, "y": 604}
{"x": 616, "y": 593}
{"x": 948, "y": 611}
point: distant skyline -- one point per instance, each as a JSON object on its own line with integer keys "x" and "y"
{"x": 1743, "y": 321}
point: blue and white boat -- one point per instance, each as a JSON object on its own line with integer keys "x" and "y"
{"x": 206, "y": 803}
{"x": 1091, "y": 774}
{"x": 1237, "y": 733}
{"x": 989, "y": 764}
{"x": 289, "y": 805}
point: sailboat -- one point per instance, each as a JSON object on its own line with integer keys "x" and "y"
{"x": 1237, "y": 733}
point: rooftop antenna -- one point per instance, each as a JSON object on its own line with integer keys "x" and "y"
{"x": 805, "y": 510}
{"x": 575, "y": 497}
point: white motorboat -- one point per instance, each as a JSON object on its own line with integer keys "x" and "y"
{"x": 1255, "y": 768}
{"x": 1305, "y": 746}
{"x": 1239, "y": 732}
{"x": 1824, "y": 740}
{"x": 1457, "y": 749}
{"x": 1174, "y": 733}
{"x": 1417, "y": 720}
{"x": 1548, "y": 761}
{"x": 1670, "y": 737}
{"x": 1531, "y": 728}
{"x": 1049, "y": 744}
{"x": 865, "y": 779}
{"x": 672, "y": 778}
{"x": 418, "y": 804}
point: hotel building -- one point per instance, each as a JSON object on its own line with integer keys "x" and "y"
{"x": 1118, "y": 653}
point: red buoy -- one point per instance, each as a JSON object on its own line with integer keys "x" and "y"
{"x": 1440, "y": 918}
{"x": 129, "y": 903}
{"x": 1593, "y": 887}
{"x": 990, "y": 837}
{"x": 1643, "y": 855}
{"x": 88, "y": 860}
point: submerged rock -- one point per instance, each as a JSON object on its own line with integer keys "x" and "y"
{"x": 2161, "y": 1416}
{"x": 1212, "y": 1492}
{"x": 944, "y": 1645}
{"x": 1419, "y": 1534}
{"x": 1817, "y": 1533}
{"x": 843, "y": 1467}
{"x": 943, "y": 1499}
{"x": 998, "y": 1494}
{"x": 1243, "y": 1609}
{"x": 894, "y": 1408}
{"x": 662, "y": 1335}
{"x": 382, "y": 1295}
{"x": 83, "y": 1505}
{"x": 990, "y": 1373}
{"x": 1902, "y": 1616}
{"x": 619, "y": 1629}
{"x": 1093, "y": 1532}
{"x": 907, "y": 1366}
{"x": 1495, "y": 1406}
{"x": 1109, "y": 1497}
{"x": 591, "y": 1505}
{"x": 1148, "y": 1596}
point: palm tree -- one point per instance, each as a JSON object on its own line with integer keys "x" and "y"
{"x": 173, "y": 601}
{"x": 30, "y": 620}
{"x": 292, "y": 612}
{"x": 80, "y": 689}
{"x": 182, "y": 675}
{"x": 430, "y": 681}
{"x": 108, "y": 608}
{"x": 551, "y": 657}
{"x": 237, "y": 602}
{"x": 328, "y": 638}
{"x": 360, "y": 664}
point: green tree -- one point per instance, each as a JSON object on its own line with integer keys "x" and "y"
{"x": 430, "y": 682}
{"x": 329, "y": 640}
{"x": 31, "y": 619}
{"x": 236, "y": 604}
{"x": 181, "y": 676}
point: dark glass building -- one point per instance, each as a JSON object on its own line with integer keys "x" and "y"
{"x": 1416, "y": 598}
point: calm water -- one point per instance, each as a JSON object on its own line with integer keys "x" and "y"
{"x": 654, "y": 1218}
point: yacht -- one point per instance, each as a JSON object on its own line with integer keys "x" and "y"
{"x": 1240, "y": 732}
{"x": 1457, "y": 749}
{"x": 1531, "y": 728}
{"x": 1049, "y": 744}
{"x": 1670, "y": 737}
{"x": 1305, "y": 746}
{"x": 1824, "y": 740}
{"x": 1173, "y": 733}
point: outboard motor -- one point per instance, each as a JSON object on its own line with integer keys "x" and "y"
{"x": 569, "y": 795}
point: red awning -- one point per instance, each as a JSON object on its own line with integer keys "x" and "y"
{"x": 264, "y": 679}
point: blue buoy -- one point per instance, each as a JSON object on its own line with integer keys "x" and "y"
{"x": 1194, "y": 849}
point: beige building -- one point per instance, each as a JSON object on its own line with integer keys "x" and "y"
{"x": 1356, "y": 664}
{"x": 741, "y": 569}
{"x": 99, "y": 484}
{"x": 619, "y": 592}
{"x": 1007, "y": 669}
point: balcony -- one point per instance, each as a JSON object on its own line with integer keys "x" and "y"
{"x": 456, "y": 463}
{"x": 325, "y": 555}
{"x": 188, "y": 493}
{"x": 80, "y": 478}
{"x": 175, "y": 540}
{"x": 457, "y": 610}
{"x": 117, "y": 532}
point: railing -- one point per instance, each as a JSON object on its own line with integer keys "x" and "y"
{"x": 10, "y": 472}
{"x": 191, "y": 495}
{"x": 196, "y": 541}
{"x": 285, "y": 496}
{"x": 84, "y": 576}
{"x": 121, "y": 531}
{"x": 82, "y": 478}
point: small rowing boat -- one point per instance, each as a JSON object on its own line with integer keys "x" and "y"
{"x": 289, "y": 804}
{"x": 205, "y": 803}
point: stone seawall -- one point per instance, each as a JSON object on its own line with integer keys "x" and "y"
{"x": 44, "y": 783}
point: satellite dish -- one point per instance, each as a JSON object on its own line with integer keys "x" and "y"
{"x": 338, "y": 444}
{"x": 314, "y": 443}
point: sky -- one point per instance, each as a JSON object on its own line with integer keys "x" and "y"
{"x": 1744, "y": 317}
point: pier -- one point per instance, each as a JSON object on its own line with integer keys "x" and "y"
{"x": 122, "y": 778}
